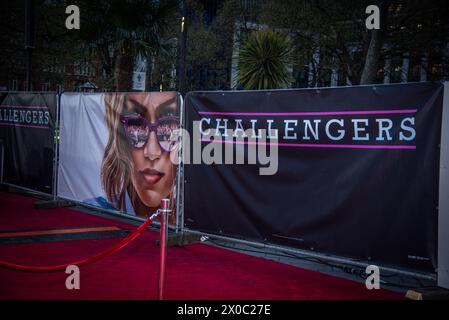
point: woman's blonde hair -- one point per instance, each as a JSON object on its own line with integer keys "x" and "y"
{"x": 117, "y": 164}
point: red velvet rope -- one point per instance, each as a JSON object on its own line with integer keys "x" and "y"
{"x": 116, "y": 247}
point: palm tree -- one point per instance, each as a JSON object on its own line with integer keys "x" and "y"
{"x": 263, "y": 61}
{"x": 118, "y": 31}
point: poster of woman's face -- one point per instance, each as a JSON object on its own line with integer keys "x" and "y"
{"x": 136, "y": 163}
{"x": 120, "y": 156}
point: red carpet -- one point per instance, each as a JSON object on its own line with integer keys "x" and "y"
{"x": 194, "y": 272}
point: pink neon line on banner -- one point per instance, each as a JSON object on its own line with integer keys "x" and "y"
{"x": 332, "y": 113}
{"x": 311, "y": 145}
{"x": 29, "y": 107}
{"x": 23, "y": 125}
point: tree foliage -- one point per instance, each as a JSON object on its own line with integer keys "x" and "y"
{"x": 336, "y": 30}
{"x": 263, "y": 61}
{"x": 117, "y": 31}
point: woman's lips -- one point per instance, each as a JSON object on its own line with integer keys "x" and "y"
{"x": 151, "y": 176}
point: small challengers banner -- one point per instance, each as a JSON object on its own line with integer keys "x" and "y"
{"x": 116, "y": 150}
{"x": 27, "y": 129}
{"x": 348, "y": 171}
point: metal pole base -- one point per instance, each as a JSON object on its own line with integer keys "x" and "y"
{"x": 181, "y": 239}
{"x": 49, "y": 204}
{"x": 431, "y": 293}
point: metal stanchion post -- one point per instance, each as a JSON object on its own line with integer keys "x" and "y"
{"x": 2, "y": 159}
{"x": 165, "y": 205}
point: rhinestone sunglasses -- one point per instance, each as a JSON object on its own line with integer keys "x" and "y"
{"x": 138, "y": 129}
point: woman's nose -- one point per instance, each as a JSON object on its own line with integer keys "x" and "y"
{"x": 152, "y": 149}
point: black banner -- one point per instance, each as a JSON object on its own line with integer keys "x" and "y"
{"x": 27, "y": 126}
{"x": 357, "y": 172}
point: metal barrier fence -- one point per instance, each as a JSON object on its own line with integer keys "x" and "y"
{"x": 179, "y": 227}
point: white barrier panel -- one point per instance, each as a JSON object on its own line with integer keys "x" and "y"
{"x": 83, "y": 137}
